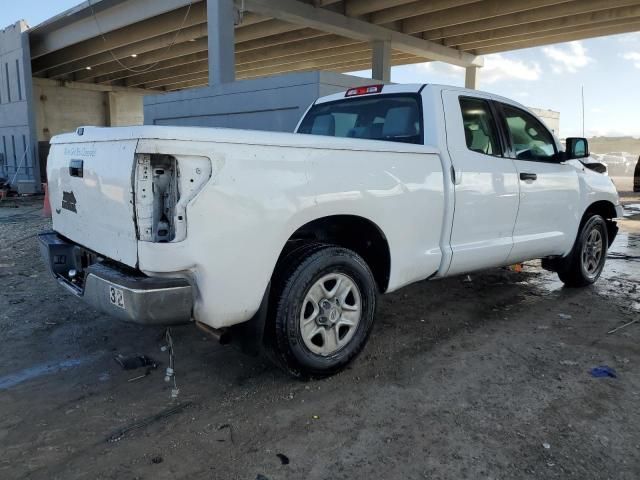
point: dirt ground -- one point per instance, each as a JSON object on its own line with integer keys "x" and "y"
{"x": 481, "y": 379}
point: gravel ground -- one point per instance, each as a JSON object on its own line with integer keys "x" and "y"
{"x": 481, "y": 379}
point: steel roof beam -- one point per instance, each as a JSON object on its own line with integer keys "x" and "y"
{"x": 567, "y": 23}
{"x": 118, "y": 16}
{"x": 524, "y": 17}
{"x": 199, "y": 65}
{"x": 558, "y": 35}
{"x": 201, "y": 80}
{"x": 599, "y": 31}
{"x": 299, "y": 13}
{"x": 161, "y": 44}
{"x": 474, "y": 12}
{"x": 401, "y": 12}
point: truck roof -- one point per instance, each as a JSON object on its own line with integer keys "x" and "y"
{"x": 418, "y": 87}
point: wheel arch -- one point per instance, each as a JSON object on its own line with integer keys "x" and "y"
{"x": 606, "y": 210}
{"x": 354, "y": 232}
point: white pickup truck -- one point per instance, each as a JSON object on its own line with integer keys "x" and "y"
{"x": 290, "y": 237}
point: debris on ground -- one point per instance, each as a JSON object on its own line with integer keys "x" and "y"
{"x": 140, "y": 377}
{"x": 623, "y": 326}
{"x": 565, "y": 316}
{"x": 568, "y": 363}
{"x": 170, "y": 373}
{"x": 227, "y": 425}
{"x": 603, "y": 371}
{"x": 546, "y": 446}
{"x": 117, "y": 436}
{"x": 133, "y": 362}
{"x": 283, "y": 458}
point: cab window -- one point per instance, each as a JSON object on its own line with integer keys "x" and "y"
{"x": 480, "y": 130}
{"x": 393, "y": 118}
{"x": 530, "y": 139}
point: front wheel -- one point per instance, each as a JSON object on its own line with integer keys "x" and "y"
{"x": 585, "y": 263}
{"x": 324, "y": 305}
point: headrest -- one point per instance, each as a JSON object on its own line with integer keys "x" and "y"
{"x": 324, "y": 125}
{"x": 399, "y": 121}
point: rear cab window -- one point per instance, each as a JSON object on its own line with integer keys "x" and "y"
{"x": 391, "y": 117}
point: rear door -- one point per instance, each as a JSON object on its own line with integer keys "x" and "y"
{"x": 91, "y": 196}
{"x": 486, "y": 184}
{"x": 549, "y": 213}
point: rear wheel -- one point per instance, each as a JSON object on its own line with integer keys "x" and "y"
{"x": 585, "y": 263}
{"x": 324, "y": 300}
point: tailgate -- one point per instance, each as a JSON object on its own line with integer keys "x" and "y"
{"x": 91, "y": 196}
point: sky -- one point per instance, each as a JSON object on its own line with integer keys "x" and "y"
{"x": 548, "y": 77}
{"x": 552, "y": 77}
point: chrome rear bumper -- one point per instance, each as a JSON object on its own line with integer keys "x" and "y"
{"x": 120, "y": 292}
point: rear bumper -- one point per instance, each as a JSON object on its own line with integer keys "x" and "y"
{"x": 122, "y": 293}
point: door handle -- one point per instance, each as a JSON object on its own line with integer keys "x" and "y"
{"x": 528, "y": 176}
{"x": 76, "y": 168}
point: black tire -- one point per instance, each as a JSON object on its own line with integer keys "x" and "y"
{"x": 573, "y": 270}
{"x": 300, "y": 270}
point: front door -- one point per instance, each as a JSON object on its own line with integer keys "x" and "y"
{"x": 548, "y": 217}
{"x": 486, "y": 184}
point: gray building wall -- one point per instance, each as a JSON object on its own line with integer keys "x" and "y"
{"x": 272, "y": 103}
{"x": 17, "y": 134}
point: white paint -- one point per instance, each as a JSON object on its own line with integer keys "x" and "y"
{"x": 486, "y": 197}
{"x": 265, "y": 185}
{"x": 104, "y": 218}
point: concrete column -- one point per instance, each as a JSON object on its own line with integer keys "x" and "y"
{"x": 220, "y": 28}
{"x": 112, "y": 109}
{"x": 471, "y": 78}
{"x": 381, "y": 61}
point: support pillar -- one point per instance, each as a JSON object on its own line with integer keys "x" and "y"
{"x": 221, "y": 31}
{"x": 112, "y": 109}
{"x": 471, "y": 78}
{"x": 381, "y": 61}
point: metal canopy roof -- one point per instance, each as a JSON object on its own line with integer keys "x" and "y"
{"x": 163, "y": 44}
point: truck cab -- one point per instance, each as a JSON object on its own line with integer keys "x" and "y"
{"x": 516, "y": 192}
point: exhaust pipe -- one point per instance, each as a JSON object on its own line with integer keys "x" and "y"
{"x": 222, "y": 335}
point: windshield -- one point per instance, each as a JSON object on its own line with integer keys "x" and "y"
{"x": 394, "y": 118}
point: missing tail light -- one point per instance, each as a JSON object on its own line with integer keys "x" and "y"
{"x": 164, "y": 185}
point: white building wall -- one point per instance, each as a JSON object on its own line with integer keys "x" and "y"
{"x": 17, "y": 144}
{"x": 550, "y": 118}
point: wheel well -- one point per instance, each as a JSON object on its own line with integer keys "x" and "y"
{"x": 352, "y": 232}
{"x": 606, "y": 210}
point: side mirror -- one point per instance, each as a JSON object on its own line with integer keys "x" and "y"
{"x": 576, "y": 147}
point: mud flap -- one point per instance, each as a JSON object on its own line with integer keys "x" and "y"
{"x": 249, "y": 336}
{"x": 612, "y": 230}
